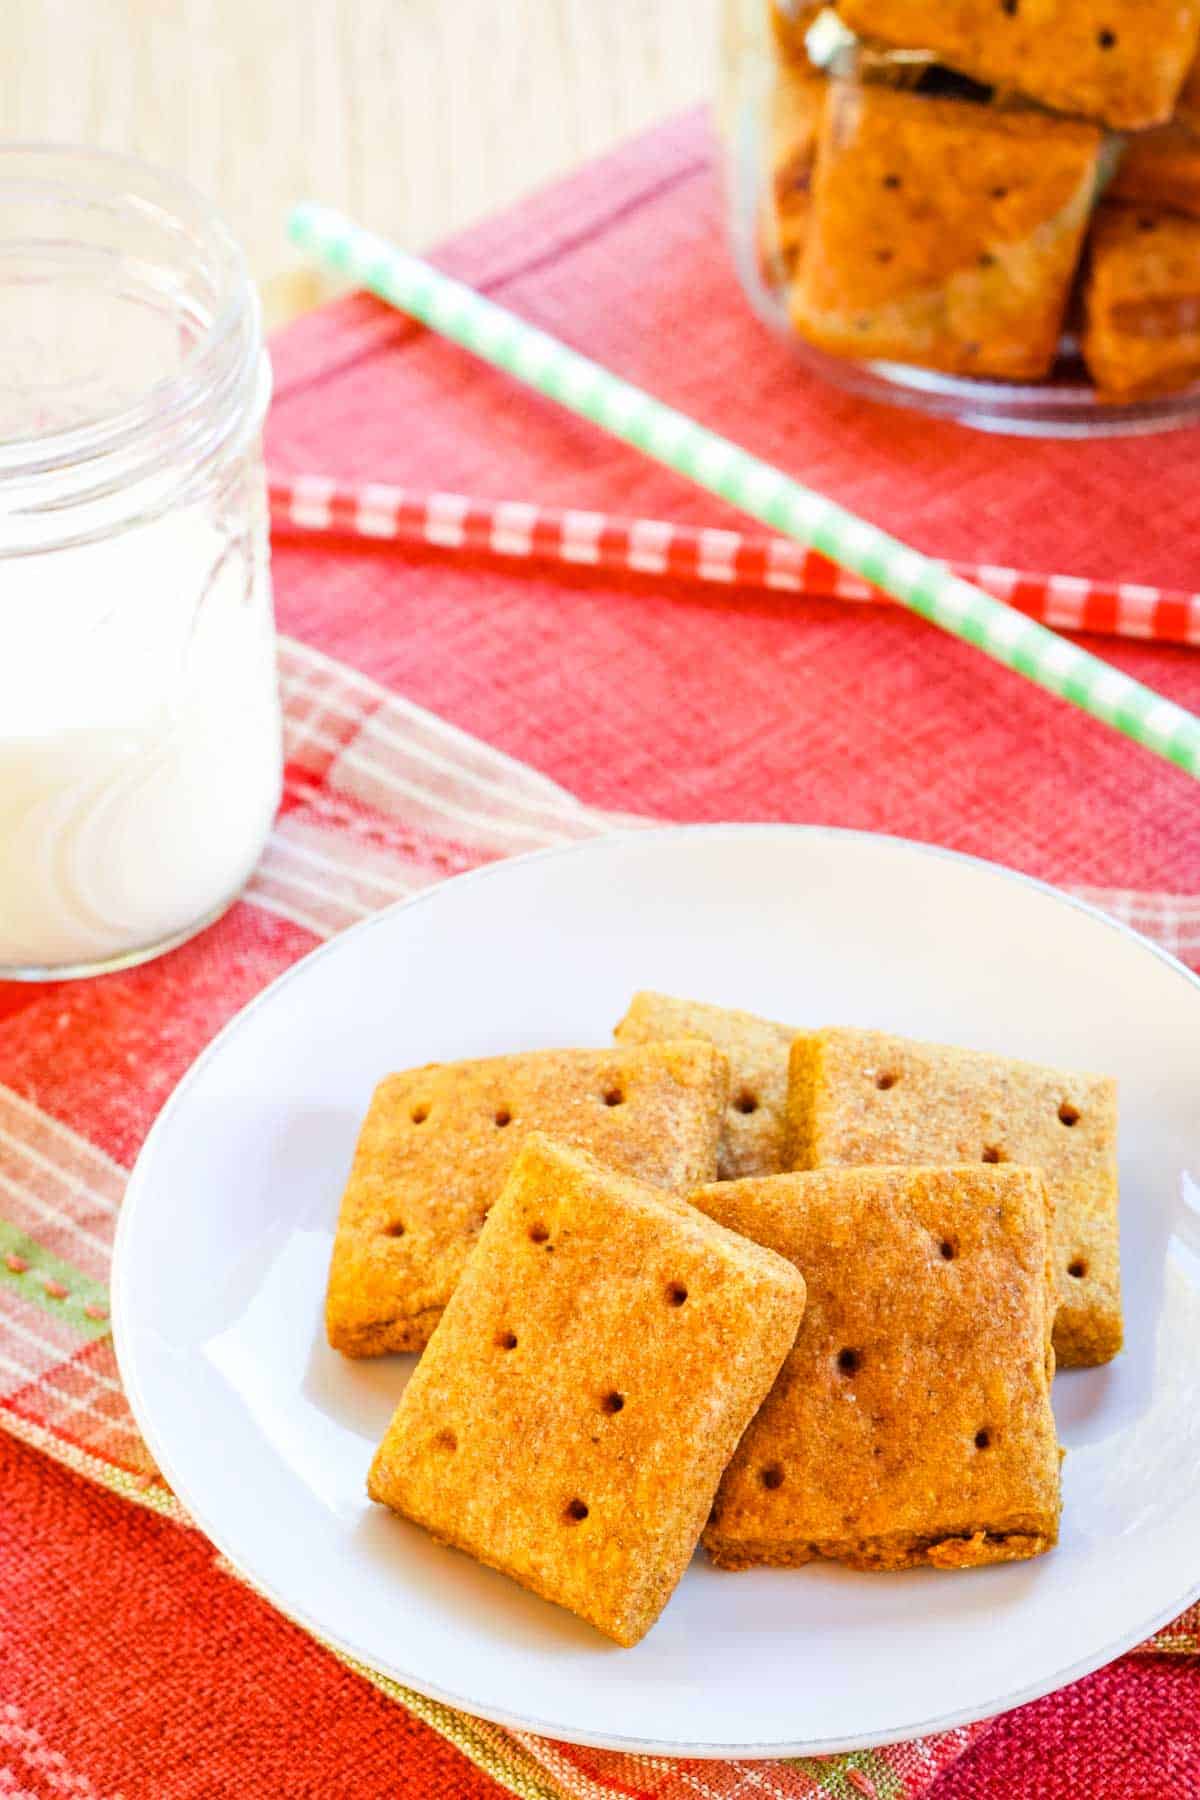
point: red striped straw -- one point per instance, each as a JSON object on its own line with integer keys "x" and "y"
{"x": 518, "y": 529}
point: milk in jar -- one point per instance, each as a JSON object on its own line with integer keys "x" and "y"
{"x": 140, "y": 737}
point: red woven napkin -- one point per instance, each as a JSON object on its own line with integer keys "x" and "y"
{"x": 637, "y": 698}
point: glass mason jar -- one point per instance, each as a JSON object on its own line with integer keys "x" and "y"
{"x": 140, "y": 738}
{"x": 1001, "y": 227}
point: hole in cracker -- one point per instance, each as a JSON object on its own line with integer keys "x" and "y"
{"x": 506, "y": 1340}
{"x": 1068, "y": 1114}
{"x": 983, "y": 1438}
{"x": 891, "y": 181}
{"x": 1077, "y": 1268}
{"x": 771, "y": 1476}
{"x": 993, "y": 1153}
{"x": 613, "y": 1096}
{"x": 419, "y": 1114}
{"x": 886, "y": 1078}
{"x": 999, "y": 193}
{"x": 676, "y": 1293}
{"x": 746, "y": 1102}
{"x": 538, "y": 1233}
{"x": 503, "y": 1117}
{"x": 1106, "y": 39}
{"x": 612, "y": 1403}
{"x": 1010, "y": 7}
{"x": 849, "y": 1361}
{"x": 576, "y": 1511}
{"x": 948, "y": 1250}
{"x": 445, "y": 1440}
{"x": 884, "y": 256}
{"x": 395, "y": 1229}
{"x": 1145, "y": 223}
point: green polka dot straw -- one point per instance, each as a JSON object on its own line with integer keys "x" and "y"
{"x": 582, "y": 386}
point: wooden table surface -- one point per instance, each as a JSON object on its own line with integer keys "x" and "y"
{"x": 418, "y": 116}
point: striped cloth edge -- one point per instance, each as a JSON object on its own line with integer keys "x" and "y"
{"x": 383, "y": 799}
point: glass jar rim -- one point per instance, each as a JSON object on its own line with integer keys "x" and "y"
{"x": 190, "y": 416}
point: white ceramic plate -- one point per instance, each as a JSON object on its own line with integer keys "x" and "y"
{"x": 266, "y": 1435}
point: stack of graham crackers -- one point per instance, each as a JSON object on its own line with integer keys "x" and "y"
{"x": 797, "y": 1292}
{"x": 964, "y": 181}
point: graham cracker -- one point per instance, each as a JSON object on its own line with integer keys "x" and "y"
{"x": 868, "y": 1097}
{"x": 1122, "y": 62}
{"x": 1187, "y": 109}
{"x": 754, "y": 1133}
{"x": 438, "y": 1142}
{"x": 797, "y": 97}
{"x": 911, "y": 1422}
{"x": 589, "y": 1380}
{"x": 1141, "y": 331}
{"x": 1160, "y": 169}
{"x": 943, "y": 232}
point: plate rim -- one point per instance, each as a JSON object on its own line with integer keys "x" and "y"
{"x": 123, "y": 1329}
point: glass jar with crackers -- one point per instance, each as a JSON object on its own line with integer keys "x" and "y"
{"x": 989, "y": 211}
